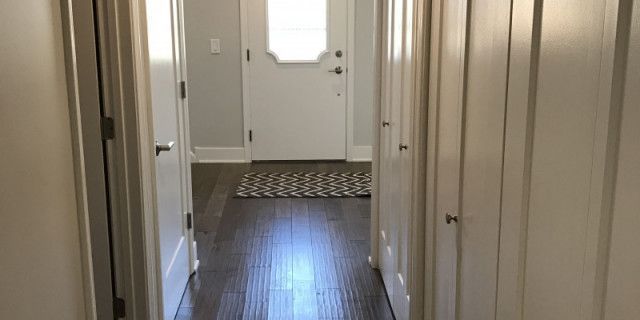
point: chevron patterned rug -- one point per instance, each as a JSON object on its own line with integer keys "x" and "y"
{"x": 304, "y": 185}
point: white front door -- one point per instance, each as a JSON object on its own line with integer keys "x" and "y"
{"x": 171, "y": 229}
{"x": 297, "y": 78}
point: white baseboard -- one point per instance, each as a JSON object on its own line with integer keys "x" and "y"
{"x": 220, "y": 155}
{"x": 361, "y": 153}
{"x": 194, "y": 159}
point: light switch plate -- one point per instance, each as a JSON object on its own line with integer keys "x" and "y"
{"x": 214, "y": 46}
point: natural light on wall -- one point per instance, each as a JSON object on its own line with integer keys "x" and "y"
{"x": 297, "y": 30}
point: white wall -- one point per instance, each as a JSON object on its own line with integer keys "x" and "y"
{"x": 41, "y": 274}
{"x": 215, "y": 82}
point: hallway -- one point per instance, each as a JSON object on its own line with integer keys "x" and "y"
{"x": 300, "y": 258}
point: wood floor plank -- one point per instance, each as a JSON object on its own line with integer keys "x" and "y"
{"x": 303, "y": 258}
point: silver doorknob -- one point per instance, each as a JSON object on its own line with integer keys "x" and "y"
{"x": 449, "y": 218}
{"x": 386, "y": 123}
{"x": 163, "y": 147}
{"x": 337, "y": 70}
{"x": 403, "y": 147}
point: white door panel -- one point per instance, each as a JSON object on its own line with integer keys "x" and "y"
{"x": 531, "y": 171}
{"x": 298, "y": 107}
{"x": 172, "y": 235}
{"x": 396, "y": 164}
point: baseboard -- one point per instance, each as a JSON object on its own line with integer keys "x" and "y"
{"x": 361, "y": 154}
{"x": 220, "y": 155}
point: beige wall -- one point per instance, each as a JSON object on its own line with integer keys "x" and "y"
{"x": 215, "y": 82}
{"x": 41, "y": 276}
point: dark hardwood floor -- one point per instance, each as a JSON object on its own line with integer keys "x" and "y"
{"x": 280, "y": 258}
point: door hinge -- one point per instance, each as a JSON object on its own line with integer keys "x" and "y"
{"x": 189, "y": 220}
{"x": 107, "y": 129}
{"x": 183, "y": 89}
{"x": 248, "y": 55}
{"x": 119, "y": 309}
{"x": 250, "y": 135}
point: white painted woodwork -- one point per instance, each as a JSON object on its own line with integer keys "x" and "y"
{"x": 536, "y": 151}
{"x": 397, "y": 166}
{"x": 172, "y": 233}
{"x": 481, "y": 159}
{"x": 299, "y": 109}
{"x": 446, "y": 105}
{"x": 386, "y": 148}
{"x": 622, "y": 291}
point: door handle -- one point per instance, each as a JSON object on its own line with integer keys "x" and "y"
{"x": 163, "y": 147}
{"x": 403, "y": 147}
{"x": 449, "y": 218}
{"x": 337, "y": 70}
{"x": 386, "y": 123}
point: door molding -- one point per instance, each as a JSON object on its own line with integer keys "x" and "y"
{"x": 83, "y": 86}
{"x": 246, "y": 74}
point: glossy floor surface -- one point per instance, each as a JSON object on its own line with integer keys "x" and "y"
{"x": 280, "y": 258}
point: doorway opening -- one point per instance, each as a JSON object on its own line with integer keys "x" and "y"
{"x": 281, "y": 96}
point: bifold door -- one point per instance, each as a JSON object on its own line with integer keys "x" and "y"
{"x": 534, "y": 160}
{"x": 396, "y": 152}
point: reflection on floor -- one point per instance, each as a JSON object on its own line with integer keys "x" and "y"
{"x": 280, "y": 258}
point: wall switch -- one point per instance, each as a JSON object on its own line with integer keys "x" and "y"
{"x": 215, "y": 46}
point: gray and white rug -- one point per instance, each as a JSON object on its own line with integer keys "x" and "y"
{"x": 304, "y": 185}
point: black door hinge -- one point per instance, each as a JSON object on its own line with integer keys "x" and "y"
{"x": 183, "y": 89}
{"x": 107, "y": 129}
{"x": 119, "y": 310}
{"x": 189, "y": 220}
{"x": 250, "y": 135}
{"x": 248, "y": 55}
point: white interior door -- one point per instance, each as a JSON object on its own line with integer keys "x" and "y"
{"x": 395, "y": 159}
{"x": 297, "y": 86}
{"x": 172, "y": 231}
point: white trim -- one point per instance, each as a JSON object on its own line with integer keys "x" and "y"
{"x": 220, "y": 155}
{"x": 351, "y": 75}
{"x": 193, "y": 157}
{"x": 361, "y": 153}
{"x": 375, "y": 150}
{"x": 246, "y": 83}
{"x": 70, "y": 37}
{"x": 246, "y": 74}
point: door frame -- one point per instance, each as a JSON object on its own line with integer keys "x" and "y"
{"x": 85, "y": 104}
{"x": 131, "y": 156}
{"x": 246, "y": 75}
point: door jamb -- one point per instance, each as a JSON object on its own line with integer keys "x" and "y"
{"x": 79, "y": 42}
{"x": 246, "y": 74}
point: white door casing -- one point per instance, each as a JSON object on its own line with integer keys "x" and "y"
{"x": 298, "y": 107}
{"x": 172, "y": 237}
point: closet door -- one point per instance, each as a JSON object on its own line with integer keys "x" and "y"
{"x": 445, "y": 119}
{"x": 623, "y": 283}
{"x": 395, "y": 164}
{"x": 473, "y": 79}
{"x": 484, "y": 100}
{"x": 561, "y": 137}
{"x": 386, "y": 221}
